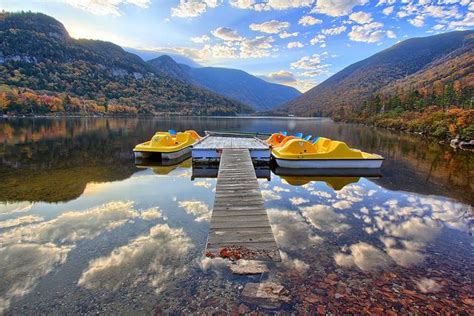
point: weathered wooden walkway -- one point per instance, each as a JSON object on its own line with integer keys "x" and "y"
{"x": 210, "y": 148}
{"x": 239, "y": 223}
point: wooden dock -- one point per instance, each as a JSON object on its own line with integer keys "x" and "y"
{"x": 209, "y": 149}
{"x": 239, "y": 223}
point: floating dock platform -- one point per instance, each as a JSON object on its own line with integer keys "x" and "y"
{"x": 210, "y": 148}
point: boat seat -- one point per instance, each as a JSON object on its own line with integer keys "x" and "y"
{"x": 193, "y": 133}
{"x": 321, "y": 144}
{"x": 284, "y": 141}
{"x": 340, "y": 149}
{"x": 297, "y": 146}
{"x": 162, "y": 140}
{"x": 275, "y": 139}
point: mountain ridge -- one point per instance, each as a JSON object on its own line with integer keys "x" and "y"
{"x": 39, "y": 61}
{"x": 358, "y": 82}
{"x": 233, "y": 83}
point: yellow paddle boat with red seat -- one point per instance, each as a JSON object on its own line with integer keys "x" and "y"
{"x": 166, "y": 145}
{"x": 323, "y": 153}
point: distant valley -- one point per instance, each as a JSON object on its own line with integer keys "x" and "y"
{"x": 232, "y": 83}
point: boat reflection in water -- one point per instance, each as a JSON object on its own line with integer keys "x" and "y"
{"x": 165, "y": 166}
{"x": 334, "y": 178}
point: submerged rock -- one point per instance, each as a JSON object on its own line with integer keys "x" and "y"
{"x": 266, "y": 294}
{"x": 247, "y": 267}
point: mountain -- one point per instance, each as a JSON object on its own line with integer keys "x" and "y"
{"x": 398, "y": 66}
{"x": 44, "y": 70}
{"x": 232, "y": 83}
{"x": 151, "y": 54}
{"x": 457, "y": 66}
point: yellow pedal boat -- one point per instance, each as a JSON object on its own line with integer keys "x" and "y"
{"x": 323, "y": 153}
{"x": 165, "y": 145}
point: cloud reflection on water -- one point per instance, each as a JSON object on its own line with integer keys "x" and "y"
{"x": 30, "y": 252}
{"x": 155, "y": 259}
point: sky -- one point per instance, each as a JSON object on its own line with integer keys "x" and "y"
{"x": 299, "y": 43}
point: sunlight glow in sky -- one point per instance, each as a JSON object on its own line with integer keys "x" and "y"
{"x": 294, "y": 42}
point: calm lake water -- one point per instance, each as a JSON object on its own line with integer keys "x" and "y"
{"x": 85, "y": 230}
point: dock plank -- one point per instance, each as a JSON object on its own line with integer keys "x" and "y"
{"x": 239, "y": 219}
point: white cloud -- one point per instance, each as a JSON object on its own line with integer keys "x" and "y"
{"x": 283, "y": 4}
{"x": 365, "y": 256}
{"x": 361, "y": 17}
{"x": 290, "y": 230}
{"x": 466, "y": 22}
{"x": 242, "y": 4}
{"x": 388, "y": 10}
{"x": 426, "y": 285}
{"x": 23, "y": 265}
{"x": 293, "y": 264}
{"x": 193, "y": 8}
{"x": 285, "y": 34}
{"x": 369, "y": 33}
{"x": 226, "y": 34}
{"x": 106, "y": 7}
{"x": 312, "y": 63}
{"x": 391, "y": 34}
{"x": 289, "y": 79}
{"x": 337, "y": 7}
{"x": 318, "y": 39}
{"x": 200, "y": 39}
{"x": 198, "y": 209}
{"x": 334, "y": 30}
{"x": 28, "y": 219}
{"x": 298, "y": 200}
{"x": 152, "y": 213}
{"x": 73, "y": 226}
{"x": 309, "y": 20}
{"x": 270, "y": 27}
{"x": 279, "y": 189}
{"x": 205, "y": 53}
{"x": 294, "y": 45}
{"x": 342, "y": 205}
{"x": 442, "y": 11}
{"x": 405, "y": 257}
{"x": 257, "y": 47}
{"x": 269, "y": 195}
{"x": 282, "y": 76}
{"x": 11, "y": 208}
{"x": 418, "y": 21}
{"x": 155, "y": 259}
{"x": 324, "y": 218}
{"x": 438, "y": 27}
{"x": 384, "y": 2}
{"x": 270, "y": 4}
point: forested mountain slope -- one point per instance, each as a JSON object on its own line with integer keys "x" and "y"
{"x": 44, "y": 70}
{"x": 355, "y": 84}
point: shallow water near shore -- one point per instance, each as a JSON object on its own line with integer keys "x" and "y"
{"x": 85, "y": 230}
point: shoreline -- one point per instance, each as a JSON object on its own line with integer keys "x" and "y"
{"x": 455, "y": 143}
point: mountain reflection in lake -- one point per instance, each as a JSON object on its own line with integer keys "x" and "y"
{"x": 84, "y": 230}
